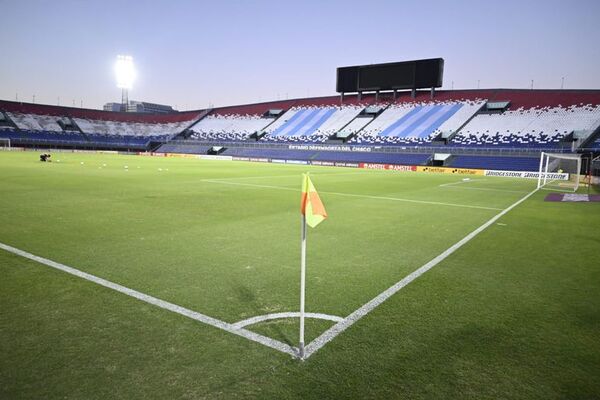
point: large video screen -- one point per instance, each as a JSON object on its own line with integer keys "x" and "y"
{"x": 391, "y": 76}
{"x": 347, "y": 79}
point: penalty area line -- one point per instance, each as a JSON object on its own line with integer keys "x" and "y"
{"x": 205, "y": 319}
{"x": 340, "y": 327}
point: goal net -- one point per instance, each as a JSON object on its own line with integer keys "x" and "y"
{"x": 4, "y": 144}
{"x": 559, "y": 172}
{"x": 594, "y": 172}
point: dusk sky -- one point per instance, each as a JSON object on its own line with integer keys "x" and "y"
{"x": 190, "y": 54}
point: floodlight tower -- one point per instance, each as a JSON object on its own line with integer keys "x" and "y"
{"x": 125, "y": 76}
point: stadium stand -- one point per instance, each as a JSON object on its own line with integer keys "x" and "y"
{"x": 417, "y": 123}
{"x": 538, "y": 127}
{"x": 44, "y": 125}
{"x": 492, "y": 128}
{"x": 311, "y": 124}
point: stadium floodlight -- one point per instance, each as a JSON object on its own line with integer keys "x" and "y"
{"x": 125, "y": 76}
{"x": 125, "y": 72}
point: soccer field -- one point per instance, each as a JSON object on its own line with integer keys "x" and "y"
{"x": 509, "y": 308}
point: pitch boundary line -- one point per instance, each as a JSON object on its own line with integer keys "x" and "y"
{"x": 485, "y": 189}
{"x": 285, "y": 176}
{"x": 461, "y": 185}
{"x": 356, "y": 315}
{"x": 436, "y": 203}
{"x": 214, "y": 322}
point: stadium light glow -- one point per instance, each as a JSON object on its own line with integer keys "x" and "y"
{"x": 125, "y": 72}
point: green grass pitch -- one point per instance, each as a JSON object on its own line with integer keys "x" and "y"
{"x": 514, "y": 313}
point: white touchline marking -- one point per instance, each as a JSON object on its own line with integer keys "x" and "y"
{"x": 454, "y": 185}
{"x": 268, "y": 317}
{"x": 338, "y": 328}
{"x": 231, "y": 328}
{"x": 436, "y": 203}
{"x": 484, "y": 189}
{"x": 250, "y": 185}
{"x": 364, "y": 196}
{"x": 285, "y": 176}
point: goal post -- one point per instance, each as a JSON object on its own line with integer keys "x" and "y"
{"x": 4, "y": 144}
{"x": 559, "y": 172}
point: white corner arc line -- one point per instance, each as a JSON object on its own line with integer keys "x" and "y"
{"x": 268, "y": 317}
{"x": 364, "y": 196}
{"x": 338, "y": 328}
{"x": 255, "y": 337}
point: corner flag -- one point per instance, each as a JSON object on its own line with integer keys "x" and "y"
{"x": 313, "y": 213}
{"x": 311, "y": 205}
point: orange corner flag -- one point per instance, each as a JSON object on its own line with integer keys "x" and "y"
{"x": 311, "y": 205}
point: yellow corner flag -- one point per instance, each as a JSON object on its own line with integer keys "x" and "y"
{"x": 311, "y": 205}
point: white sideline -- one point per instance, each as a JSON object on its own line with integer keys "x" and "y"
{"x": 285, "y": 176}
{"x": 268, "y": 317}
{"x": 338, "y": 328}
{"x": 255, "y": 337}
{"x": 455, "y": 185}
{"x": 485, "y": 189}
{"x": 364, "y": 196}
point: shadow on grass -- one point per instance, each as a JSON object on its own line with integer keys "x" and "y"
{"x": 248, "y": 296}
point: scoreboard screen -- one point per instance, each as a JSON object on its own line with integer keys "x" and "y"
{"x": 347, "y": 79}
{"x": 391, "y": 76}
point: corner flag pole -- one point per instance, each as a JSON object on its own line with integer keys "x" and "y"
{"x": 302, "y": 285}
{"x": 313, "y": 213}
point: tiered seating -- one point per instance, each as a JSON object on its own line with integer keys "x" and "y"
{"x": 534, "y": 127}
{"x": 311, "y": 124}
{"x": 230, "y": 127}
{"x": 36, "y": 122}
{"x": 110, "y": 131}
{"x": 357, "y": 124}
{"x": 417, "y": 123}
{"x": 35, "y": 136}
{"x": 35, "y": 128}
{"x": 32, "y": 122}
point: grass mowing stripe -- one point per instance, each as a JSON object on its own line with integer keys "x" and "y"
{"x": 364, "y": 196}
{"x": 338, "y": 328}
{"x": 217, "y": 323}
